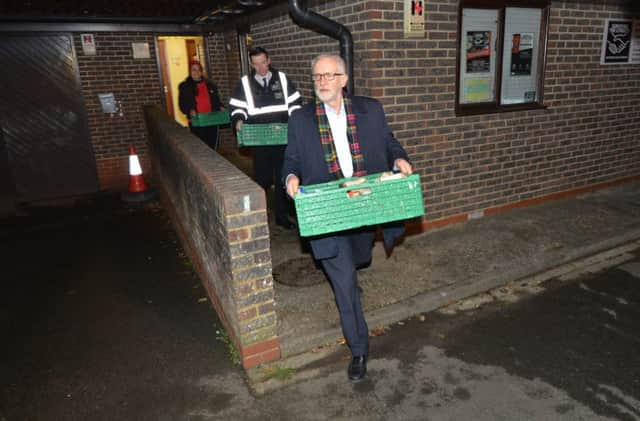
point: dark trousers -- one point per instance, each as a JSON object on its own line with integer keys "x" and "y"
{"x": 267, "y": 167}
{"x": 208, "y": 134}
{"x": 354, "y": 250}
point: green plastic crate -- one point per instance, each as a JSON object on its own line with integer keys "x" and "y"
{"x": 325, "y": 208}
{"x": 263, "y": 134}
{"x": 215, "y": 118}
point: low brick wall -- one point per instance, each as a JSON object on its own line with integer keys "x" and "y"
{"x": 220, "y": 215}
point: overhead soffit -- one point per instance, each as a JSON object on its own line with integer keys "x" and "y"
{"x": 221, "y": 12}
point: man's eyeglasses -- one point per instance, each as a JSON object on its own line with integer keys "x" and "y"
{"x": 317, "y": 77}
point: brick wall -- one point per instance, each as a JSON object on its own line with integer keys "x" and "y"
{"x": 230, "y": 57}
{"x": 292, "y": 48}
{"x": 228, "y": 242}
{"x": 232, "y": 60}
{"x": 220, "y": 215}
{"x": 135, "y": 83}
{"x": 223, "y": 78}
{"x": 219, "y": 72}
{"x": 588, "y": 135}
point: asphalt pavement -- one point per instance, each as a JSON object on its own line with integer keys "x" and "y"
{"x": 561, "y": 349}
{"x": 104, "y": 319}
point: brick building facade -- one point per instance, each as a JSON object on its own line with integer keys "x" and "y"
{"x": 134, "y": 83}
{"x": 588, "y": 135}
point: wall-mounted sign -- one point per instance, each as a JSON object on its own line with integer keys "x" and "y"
{"x": 414, "y": 18}
{"x": 88, "y": 44}
{"x": 621, "y": 41}
{"x": 108, "y": 103}
{"x": 140, "y": 50}
{"x": 477, "y": 89}
{"x": 634, "y": 54}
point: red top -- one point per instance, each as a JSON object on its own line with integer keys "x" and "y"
{"x": 203, "y": 102}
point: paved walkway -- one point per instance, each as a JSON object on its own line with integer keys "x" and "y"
{"x": 103, "y": 318}
{"x": 563, "y": 350}
{"x": 430, "y": 270}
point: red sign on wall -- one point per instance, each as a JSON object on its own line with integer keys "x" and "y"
{"x": 416, "y": 8}
{"x": 414, "y": 18}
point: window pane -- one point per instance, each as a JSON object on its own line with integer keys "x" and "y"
{"x": 478, "y": 55}
{"x": 520, "y": 58}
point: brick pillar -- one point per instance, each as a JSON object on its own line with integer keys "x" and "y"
{"x": 248, "y": 235}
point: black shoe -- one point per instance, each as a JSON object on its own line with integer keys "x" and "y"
{"x": 357, "y": 369}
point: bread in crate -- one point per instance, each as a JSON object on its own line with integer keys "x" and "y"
{"x": 356, "y": 202}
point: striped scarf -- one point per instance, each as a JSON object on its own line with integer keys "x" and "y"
{"x": 330, "y": 155}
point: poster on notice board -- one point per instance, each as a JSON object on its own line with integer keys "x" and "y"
{"x": 521, "y": 54}
{"x": 478, "y": 51}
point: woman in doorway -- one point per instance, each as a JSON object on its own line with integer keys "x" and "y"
{"x": 197, "y": 94}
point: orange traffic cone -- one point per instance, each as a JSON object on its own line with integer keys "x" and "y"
{"x": 136, "y": 180}
{"x": 138, "y": 192}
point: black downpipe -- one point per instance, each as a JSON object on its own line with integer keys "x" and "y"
{"x": 318, "y": 23}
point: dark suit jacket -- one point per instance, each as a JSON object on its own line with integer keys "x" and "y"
{"x": 304, "y": 156}
{"x": 187, "y": 91}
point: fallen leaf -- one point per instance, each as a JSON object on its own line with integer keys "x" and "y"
{"x": 202, "y": 300}
{"x": 379, "y": 331}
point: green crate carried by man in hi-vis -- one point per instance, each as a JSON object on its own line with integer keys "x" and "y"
{"x": 260, "y": 108}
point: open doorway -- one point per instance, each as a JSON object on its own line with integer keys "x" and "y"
{"x": 175, "y": 53}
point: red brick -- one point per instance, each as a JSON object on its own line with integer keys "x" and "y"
{"x": 260, "y": 347}
{"x": 263, "y": 358}
{"x": 247, "y": 314}
{"x": 238, "y": 235}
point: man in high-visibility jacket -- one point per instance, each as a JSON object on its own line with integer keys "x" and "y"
{"x": 266, "y": 96}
